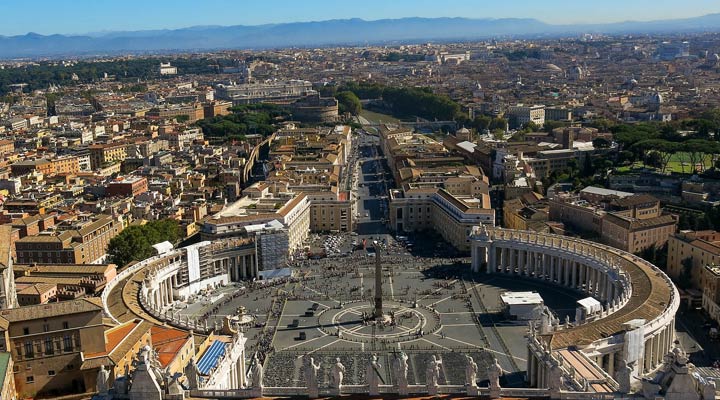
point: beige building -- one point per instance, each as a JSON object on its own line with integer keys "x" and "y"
{"x": 521, "y": 115}
{"x": 633, "y": 223}
{"x": 102, "y": 154}
{"x": 517, "y": 214}
{"x": 330, "y": 212}
{"x": 85, "y": 243}
{"x": 8, "y": 295}
{"x": 122, "y": 343}
{"x": 700, "y": 248}
{"x": 419, "y": 209}
{"x": 292, "y": 210}
{"x": 711, "y": 290}
{"x": 39, "y": 293}
{"x": 47, "y": 343}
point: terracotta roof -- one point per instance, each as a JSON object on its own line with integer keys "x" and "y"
{"x": 38, "y": 289}
{"x": 167, "y": 342}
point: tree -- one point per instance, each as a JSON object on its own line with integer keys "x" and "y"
{"x": 135, "y": 243}
{"x": 601, "y": 143}
{"x": 663, "y": 148}
{"x": 348, "y": 102}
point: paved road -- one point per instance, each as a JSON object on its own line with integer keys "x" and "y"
{"x": 372, "y": 188}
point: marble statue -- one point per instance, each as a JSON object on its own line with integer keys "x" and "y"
{"x": 192, "y": 374}
{"x": 708, "y": 389}
{"x": 310, "y": 371}
{"x": 556, "y": 380}
{"x": 174, "y": 387}
{"x": 101, "y": 381}
{"x": 471, "y": 370}
{"x": 623, "y": 376}
{"x": 338, "y": 370}
{"x": 494, "y": 373}
{"x": 432, "y": 375}
{"x": 257, "y": 373}
{"x": 401, "y": 369}
{"x": 373, "y": 375}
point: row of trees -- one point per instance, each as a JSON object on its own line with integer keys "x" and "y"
{"x": 656, "y": 144}
{"x": 135, "y": 242}
{"x": 41, "y": 75}
{"x": 244, "y": 120}
{"x": 405, "y": 102}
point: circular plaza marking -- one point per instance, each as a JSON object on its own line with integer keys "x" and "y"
{"x": 401, "y": 322}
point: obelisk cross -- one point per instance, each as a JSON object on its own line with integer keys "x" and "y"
{"x": 378, "y": 283}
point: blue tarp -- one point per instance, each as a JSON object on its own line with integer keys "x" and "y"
{"x": 210, "y": 358}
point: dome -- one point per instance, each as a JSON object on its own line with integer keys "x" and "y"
{"x": 553, "y": 67}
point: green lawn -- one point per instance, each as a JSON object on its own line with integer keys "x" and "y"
{"x": 378, "y": 118}
{"x": 679, "y": 163}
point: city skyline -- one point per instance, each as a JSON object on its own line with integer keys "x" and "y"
{"x": 66, "y": 20}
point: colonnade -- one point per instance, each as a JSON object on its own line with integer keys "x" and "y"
{"x": 242, "y": 267}
{"x": 599, "y": 271}
{"x": 553, "y": 266}
{"x": 163, "y": 293}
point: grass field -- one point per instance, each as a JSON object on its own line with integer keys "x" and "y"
{"x": 679, "y": 163}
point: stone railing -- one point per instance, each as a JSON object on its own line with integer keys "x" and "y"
{"x": 126, "y": 273}
{"x": 392, "y": 390}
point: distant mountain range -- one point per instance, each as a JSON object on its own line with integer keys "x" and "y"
{"x": 325, "y": 33}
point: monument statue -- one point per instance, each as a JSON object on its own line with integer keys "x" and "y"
{"x": 310, "y": 371}
{"x": 432, "y": 372}
{"x": 556, "y": 380}
{"x": 192, "y": 374}
{"x": 623, "y": 376}
{"x": 471, "y": 370}
{"x": 373, "y": 375}
{"x": 401, "y": 369}
{"x": 101, "y": 382}
{"x": 174, "y": 387}
{"x": 494, "y": 373}
{"x": 338, "y": 370}
{"x": 257, "y": 373}
{"x": 708, "y": 389}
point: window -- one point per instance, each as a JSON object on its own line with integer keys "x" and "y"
{"x": 66, "y": 325}
{"x": 67, "y": 343}
{"x": 29, "y": 352}
{"x": 49, "y": 347}
{"x": 51, "y": 372}
{"x": 46, "y": 327}
{"x": 26, "y": 331}
{"x": 29, "y": 379}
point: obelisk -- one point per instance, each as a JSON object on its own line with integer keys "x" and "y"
{"x": 378, "y": 283}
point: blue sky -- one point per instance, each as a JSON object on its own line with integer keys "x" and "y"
{"x": 82, "y": 16}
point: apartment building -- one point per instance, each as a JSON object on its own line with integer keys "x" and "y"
{"x": 127, "y": 187}
{"x": 710, "y": 276}
{"x": 7, "y": 147}
{"x": 689, "y": 252}
{"x": 103, "y": 154}
{"x": 520, "y": 115}
{"x": 84, "y": 242}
